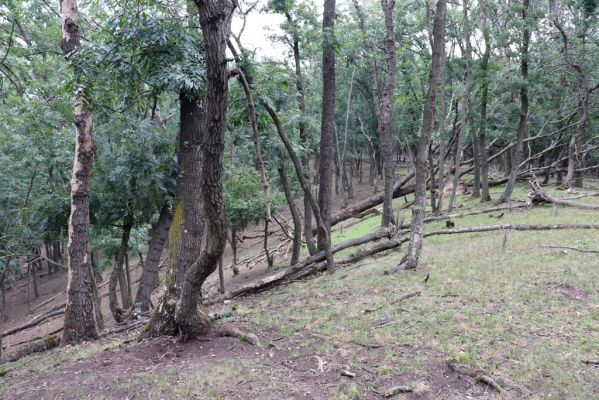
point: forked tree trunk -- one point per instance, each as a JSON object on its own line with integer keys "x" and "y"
{"x": 412, "y": 257}
{"x": 187, "y": 225}
{"x": 149, "y": 275}
{"x": 327, "y": 127}
{"x": 82, "y": 318}
{"x": 519, "y": 150}
{"x": 215, "y": 20}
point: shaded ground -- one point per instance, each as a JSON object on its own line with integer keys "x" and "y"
{"x": 527, "y": 315}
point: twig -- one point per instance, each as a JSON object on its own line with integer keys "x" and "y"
{"x": 571, "y": 248}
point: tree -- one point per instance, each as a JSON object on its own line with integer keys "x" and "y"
{"x": 82, "y": 319}
{"x": 412, "y": 257}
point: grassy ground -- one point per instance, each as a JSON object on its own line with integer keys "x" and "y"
{"x": 528, "y": 315}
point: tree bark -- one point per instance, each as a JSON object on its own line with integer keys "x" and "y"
{"x": 187, "y": 225}
{"x": 327, "y": 128}
{"x": 82, "y": 315}
{"x": 149, "y": 275}
{"x": 215, "y": 20}
{"x": 118, "y": 275}
{"x": 297, "y": 222}
{"x": 411, "y": 259}
{"x": 519, "y": 150}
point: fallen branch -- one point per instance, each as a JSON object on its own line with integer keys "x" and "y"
{"x": 35, "y": 321}
{"x": 572, "y": 248}
{"x": 231, "y": 331}
{"x": 538, "y": 196}
{"x": 395, "y": 390}
{"x": 478, "y": 374}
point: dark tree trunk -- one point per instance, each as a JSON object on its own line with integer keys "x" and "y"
{"x": 187, "y": 225}
{"x": 412, "y": 257}
{"x": 118, "y": 276}
{"x": 327, "y": 128}
{"x": 215, "y": 20}
{"x": 519, "y": 150}
{"x": 149, "y": 275}
{"x": 82, "y": 314}
{"x": 297, "y": 222}
{"x": 234, "y": 249}
{"x": 484, "y": 155}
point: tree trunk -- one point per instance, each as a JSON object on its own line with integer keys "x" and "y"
{"x": 383, "y": 102}
{"x": 303, "y": 134}
{"x": 118, "y": 276}
{"x": 327, "y": 128}
{"x": 187, "y": 225}
{"x": 234, "y": 249}
{"x": 149, "y": 275}
{"x": 297, "y": 222}
{"x": 476, "y": 157}
{"x": 49, "y": 255}
{"x": 464, "y": 109}
{"x": 81, "y": 320}
{"x": 215, "y": 20}
{"x": 519, "y": 150}
{"x": 412, "y": 257}
{"x": 482, "y": 132}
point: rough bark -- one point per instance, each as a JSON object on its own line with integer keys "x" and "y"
{"x": 149, "y": 275}
{"x": 327, "y": 128}
{"x": 187, "y": 225}
{"x": 215, "y": 21}
{"x": 519, "y": 150}
{"x": 295, "y": 216}
{"x": 82, "y": 313}
{"x": 421, "y": 168}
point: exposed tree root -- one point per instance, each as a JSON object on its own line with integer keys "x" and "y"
{"x": 478, "y": 374}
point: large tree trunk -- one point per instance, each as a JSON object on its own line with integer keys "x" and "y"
{"x": 187, "y": 225}
{"x": 82, "y": 319}
{"x": 464, "y": 110}
{"x": 428, "y": 118}
{"x": 118, "y": 275}
{"x": 297, "y": 222}
{"x": 215, "y": 20}
{"x": 383, "y": 102}
{"x": 482, "y": 132}
{"x": 519, "y": 150}
{"x": 149, "y": 275}
{"x": 327, "y": 128}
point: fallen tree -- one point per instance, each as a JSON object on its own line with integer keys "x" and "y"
{"x": 538, "y": 196}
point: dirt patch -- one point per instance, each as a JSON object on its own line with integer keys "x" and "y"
{"x": 566, "y": 290}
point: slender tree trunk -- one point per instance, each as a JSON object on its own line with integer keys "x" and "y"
{"x": 482, "y": 132}
{"x": 327, "y": 129}
{"x": 81, "y": 318}
{"x": 118, "y": 276}
{"x": 412, "y": 257}
{"x": 149, "y": 275}
{"x": 215, "y": 20}
{"x": 476, "y": 160}
{"x": 259, "y": 162}
{"x": 465, "y": 108}
{"x": 519, "y": 150}
{"x": 297, "y": 222}
{"x": 234, "y": 249}
{"x": 303, "y": 134}
{"x": 322, "y": 230}
{"x": 187, "y": 225}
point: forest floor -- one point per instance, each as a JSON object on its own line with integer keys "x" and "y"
{"x": 525, "y": 314}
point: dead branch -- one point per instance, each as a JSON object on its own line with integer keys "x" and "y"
{"x": 395, "y": 390}
{"x": 231, "y": 331}
{"x": 538, "y": 196}
{"x": 35, "y": 321}
{"x": 478, "y": 374}
{"x": 571, "y": 248}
